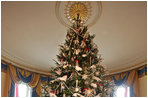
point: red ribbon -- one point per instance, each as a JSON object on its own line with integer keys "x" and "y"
{"x": 93, "y": 57}
{"x": 77, "y": 30}
{"x": 76, "y": 60}
{"x": 100, "y": 84}
{"x": 53, "y": 92}
{"x": 84, "y": 40}
{"x": 85, "y": 89}
{"x": 86, "y": 48}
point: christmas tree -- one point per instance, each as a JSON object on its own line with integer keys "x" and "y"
{"x": 79, "y": 72}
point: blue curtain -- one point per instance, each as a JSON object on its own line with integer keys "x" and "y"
{"x": 120, "y": 81}
{"x": 142, "y": 71}
{"x": 25, "y": 79}
{"x": 3, "y": 66}
{"x": 12, "y": 89}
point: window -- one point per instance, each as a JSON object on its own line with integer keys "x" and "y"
{"x": 22, "y": 90}
{"x": 122, "y": 91}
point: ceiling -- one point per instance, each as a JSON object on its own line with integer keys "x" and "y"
{"x": 31, "y": 33}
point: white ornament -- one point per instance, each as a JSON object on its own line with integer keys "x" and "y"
{"x": 52, "y": 95}
{"x": 64, "y": 54}
{"x": 77, "y": 94}
{"x": 88, "y": 92}
{"x": 65, "y": 66}
{"x": 94, "y": 85}
{"x": 58, "y": 72}
{"x": 96, "y": 78}
{"x": 69, "y": 53}
{"x": 69, "y": 65}
{"x": 84, "y": 55}
{"x": 95, "y": 47}
{"x": 78, "y": 68}
{"x": 85, "y": 35}
{"x": 77, "y": 51}
{"x": 84, "y": 77}
{"x": 62, "y": 78}
{"x": 93, "y": 67}
{"x": 77, "y": 89}
{"x": 83, "y": 44}
{"x": 97, "y": 73}
{"x": 62, "y": 87}
{"x": 76, "y": 41}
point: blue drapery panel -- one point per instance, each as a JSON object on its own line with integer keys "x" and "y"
{"x": 132, "y": 93}
{"x": 12, "y": 90}
{"x": 142, "y": 71}
{"x": 130, "y": 79}
{"x": 118, "y": 80}
{"x": 3, "y": 66}
{"x": 32, "y": 79}
{"x": 121, "y": 80}
{"x": 44, "y": 79}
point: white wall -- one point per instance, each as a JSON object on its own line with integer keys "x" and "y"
{"x": 3, "y": 81}
{"x": 143, "y": 86}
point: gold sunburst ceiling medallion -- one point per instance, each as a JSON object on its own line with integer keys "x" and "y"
{"x": 72, "y": 9}
{"x": 87, "y": 11}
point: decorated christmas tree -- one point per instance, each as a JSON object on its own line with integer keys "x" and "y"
{"x": 79, "y": 72}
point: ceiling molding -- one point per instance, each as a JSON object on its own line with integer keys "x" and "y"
{"x": 128, "y": 68}
{"x": 47, "y": 73}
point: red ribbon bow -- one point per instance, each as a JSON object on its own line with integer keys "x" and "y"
{"x": 85, "y": 89}
{"x": 53, "y": 92}
{"x": 100, "y": 84}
